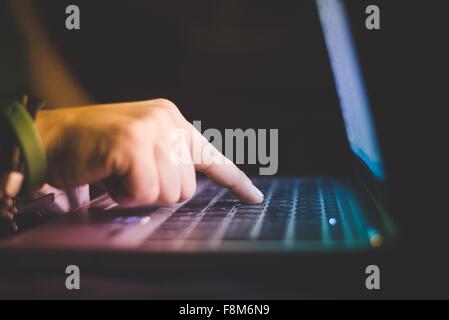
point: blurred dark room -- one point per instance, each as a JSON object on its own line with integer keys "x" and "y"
{"x": 230, "y": 64}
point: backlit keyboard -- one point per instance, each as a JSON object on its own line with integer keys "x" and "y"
{"x": 293, "y": 209}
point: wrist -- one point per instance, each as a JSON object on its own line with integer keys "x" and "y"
{"x": 52, "y": 123}
{"x": 32, "y": 161}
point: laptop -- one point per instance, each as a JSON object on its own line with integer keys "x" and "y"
{"x": 298, "y": 215}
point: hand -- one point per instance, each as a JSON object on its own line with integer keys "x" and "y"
{"x": 128, "y": 146}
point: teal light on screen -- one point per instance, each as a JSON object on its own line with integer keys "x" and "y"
{"x": 351, "y": 89}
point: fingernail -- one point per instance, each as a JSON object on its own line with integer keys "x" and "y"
{"x": 257, "y": 193}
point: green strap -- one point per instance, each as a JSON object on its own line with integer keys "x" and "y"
{"x": 30, "y": 143}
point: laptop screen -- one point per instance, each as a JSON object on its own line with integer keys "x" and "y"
{"x": 350, "y": 85}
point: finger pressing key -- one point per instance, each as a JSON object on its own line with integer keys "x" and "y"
{"x": 225, "y": 173}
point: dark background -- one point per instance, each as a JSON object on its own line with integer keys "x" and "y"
{"x": 263, "y": 64}
{"x": 230, "y": 64}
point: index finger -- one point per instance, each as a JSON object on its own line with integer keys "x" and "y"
{"x": 216, "y": 166}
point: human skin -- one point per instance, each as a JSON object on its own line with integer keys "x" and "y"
{"x": 127, "y": 146}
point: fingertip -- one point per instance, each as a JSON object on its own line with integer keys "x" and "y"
{"x": 256, "y": 196}
{"x": 249, "y": 194}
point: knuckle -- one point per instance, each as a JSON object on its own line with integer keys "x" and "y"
{"x": 167, "y": 104}
{"x": 189, "y": 193}
{"x": 161, "y": 115}
{"x": 145, "y": 193}
{"x": 137, "y": 133}
{"x": 134, "y": 130}
{"x": 169, "y": 198}
{"x": 148, "y": 196}
{"x": 152, "y": 194}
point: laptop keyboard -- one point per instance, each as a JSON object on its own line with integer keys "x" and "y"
{"x": 293, "y": 209}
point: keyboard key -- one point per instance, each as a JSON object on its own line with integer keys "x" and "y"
{"x": 314, "y": 209}
{"x": 308, "y": 231}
